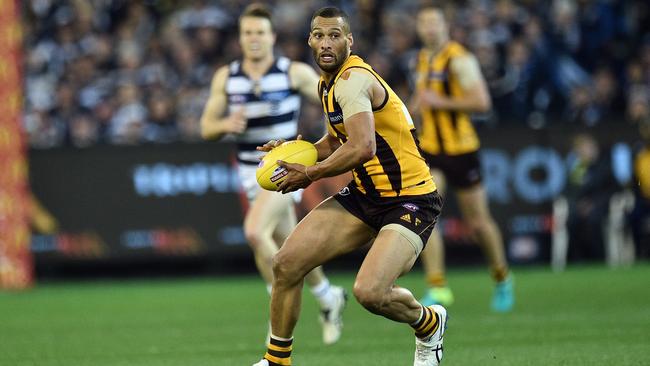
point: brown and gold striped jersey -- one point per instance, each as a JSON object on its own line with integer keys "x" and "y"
{"x": 444, "y": 131}
{"x": 398, "y": 168}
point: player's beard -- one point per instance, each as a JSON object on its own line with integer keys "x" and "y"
{"x": 330, "y": 68}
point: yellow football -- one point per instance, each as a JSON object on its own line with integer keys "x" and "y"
{"x": 269, "y": 174}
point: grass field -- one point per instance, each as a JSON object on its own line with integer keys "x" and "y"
{"x": 585, "y": 316}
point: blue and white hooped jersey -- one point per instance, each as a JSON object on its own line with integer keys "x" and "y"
{"x": 271, "y": 107}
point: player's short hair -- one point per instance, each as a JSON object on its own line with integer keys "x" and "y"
{"x": 258, "y": 10}
{"x": 332, "y": 12}
{"x": 431, "y": 7}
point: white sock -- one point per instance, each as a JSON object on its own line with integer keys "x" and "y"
{"x": 281, "y": 339}
{"x": 420, "y": 317}
{"x": 324, "y": 295}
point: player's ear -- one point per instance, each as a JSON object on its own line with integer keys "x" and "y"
{"x": 350, "y": 39}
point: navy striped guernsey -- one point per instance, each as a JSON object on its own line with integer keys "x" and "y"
{"x": 270, "y": 105}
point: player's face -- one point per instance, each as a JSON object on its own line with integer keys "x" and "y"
{"x": 256, "y": 37}
{"x": 330, "y": 42}
{"x": 431, "y": 27}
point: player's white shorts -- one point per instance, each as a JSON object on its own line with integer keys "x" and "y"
{"x": 249, "y": 183}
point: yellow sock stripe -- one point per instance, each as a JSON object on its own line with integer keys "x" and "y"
{"x": 427, "y": 319}
{"x": 280, "y": 349}
{"x": 430, "y": 328}
{"x": 437, "y": 280}
{"x": 279, "y": 361}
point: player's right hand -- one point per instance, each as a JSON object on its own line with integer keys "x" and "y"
{"x": 235, "y": 122}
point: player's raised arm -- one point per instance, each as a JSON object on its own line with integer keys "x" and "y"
{"x": 475, "y": 97}
{"x": 305, "y": 80}
{"x": 213, "y": 123}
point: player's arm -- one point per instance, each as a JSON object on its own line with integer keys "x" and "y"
{"x": 213, "y": 123}
{"x": 326, "y": 146}
{"x": 475, "y": 98}
{"x": 305, "y": 80}
{"x": 355, "y": 95}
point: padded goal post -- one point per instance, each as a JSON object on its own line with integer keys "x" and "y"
{"x": 16, "y": 265}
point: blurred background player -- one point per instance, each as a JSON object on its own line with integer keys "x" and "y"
{"x": 262, "y": 95}
{"x": 640, "y": 215}
{"x": 449, "y": 87}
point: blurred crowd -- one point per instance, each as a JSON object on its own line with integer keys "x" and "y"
{"x": 131, "y": 72}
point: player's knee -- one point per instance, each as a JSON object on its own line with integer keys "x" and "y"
{"x": 254, "y": 236}
{"x": 368, "y": 297}
{"x": 479, "y": 226}
{"x": 285, "y": 269}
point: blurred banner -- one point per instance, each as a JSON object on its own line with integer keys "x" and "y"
{"x": 16, "y": 268}
{"x": 182, "y": 200}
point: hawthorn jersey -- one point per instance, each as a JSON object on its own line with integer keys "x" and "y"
{"x": 398, "y": 168}
{"x": 444, "y": 132}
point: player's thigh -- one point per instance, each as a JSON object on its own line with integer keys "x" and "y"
{"x": 327, "y": 232}
{"x": 473, "y": 202}
{"x": 391, "y": 255}
{"x": 266, "y": 211}
{"x": 440, "y": 180}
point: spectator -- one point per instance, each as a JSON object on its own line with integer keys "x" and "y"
{"x": 589, "y": 188}
{"x": 543, "y": 60}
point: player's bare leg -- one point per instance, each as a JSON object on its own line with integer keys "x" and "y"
{"x": 391, "y": 255}
{"x": 433, "y": 259}
{"x": 332, "y": 299}
{"x": 473, "y": 204}
{"x": 268, "y": 223}
{"x": 326, "y": 232}
{"x": 262, "y": 218}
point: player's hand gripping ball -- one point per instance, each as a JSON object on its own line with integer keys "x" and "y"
{"x": 269, "y": 174}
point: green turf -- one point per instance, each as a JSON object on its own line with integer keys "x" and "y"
{"x": 585, "y": 316}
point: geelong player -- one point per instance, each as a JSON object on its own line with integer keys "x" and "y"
{"x": 450, "y": 87}
{"x": 392, "y": 201}
{"x": 257, "y": 99}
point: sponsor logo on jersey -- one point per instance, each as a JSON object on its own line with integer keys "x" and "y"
{"x": 335, "y": 117}
{"x": 411, "y": 207}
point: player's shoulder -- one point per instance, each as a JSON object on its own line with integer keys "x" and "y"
{"x": 356, "y": 72}
{"x": 300, "y": 67}
{"x": 220, "y": 77}
{"x": 222, "y": 72}
{"x": 457, "y": 49}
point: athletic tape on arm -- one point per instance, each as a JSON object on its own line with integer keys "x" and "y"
{"x": 467, "y": 70}
{"x": 353, "y": 93}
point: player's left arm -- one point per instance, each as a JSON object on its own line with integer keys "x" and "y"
{"x": 305, "y": 80}
{"x": 475, "y": 98}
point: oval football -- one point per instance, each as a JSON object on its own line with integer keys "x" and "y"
{"x": 269, "y": 174}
